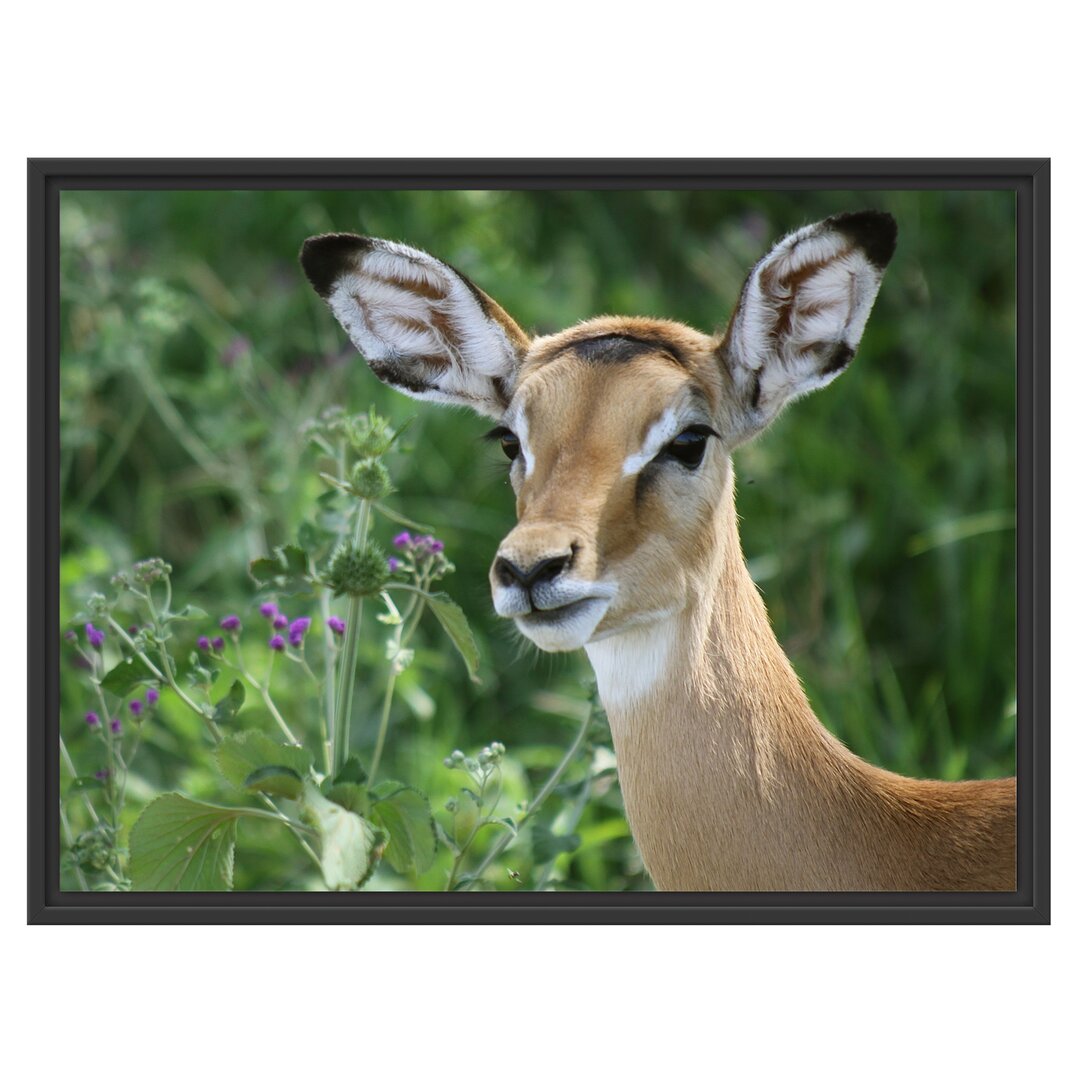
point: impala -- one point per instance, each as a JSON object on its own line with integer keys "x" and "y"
{"x": 620, "y": 433}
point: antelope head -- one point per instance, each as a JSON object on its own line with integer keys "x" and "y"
{"x": 619, "y": 430}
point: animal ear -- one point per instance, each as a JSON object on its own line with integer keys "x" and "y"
{"x": 422, "y": 327}
{"x": 802, "y": 311}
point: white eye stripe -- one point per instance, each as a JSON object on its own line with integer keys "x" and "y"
{"x": 660, "y": 434}
{"x": 519, "y": 425}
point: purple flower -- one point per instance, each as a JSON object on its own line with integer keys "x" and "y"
{"x": 268, "y": 611}
{"x": 133, "y": 630}
{"x": 101, "y": 774}
{"x": 277, "y": 643}
{"x": 230, "y": 622}
{"x": 95, "y": 636}
{"x": 218, "y": 644}
{"x": 297, "y": 629}
{"x": 402, "y": 540}
{"x": 135, "y": 707}
{"x": 435, "y": 545}
{"x": 70, "y": 635}
{"x": 92, "y": 719}
{"x": 281, "y": 621}
{"x": 393, "y": 565}
{"x": 336, "y": 624}
{"x": 114, "y": 723}
{"x": 152, "y": 696}
{"x": 203, "y": 643}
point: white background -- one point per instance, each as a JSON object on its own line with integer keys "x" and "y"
{"x": 558, "y": 79}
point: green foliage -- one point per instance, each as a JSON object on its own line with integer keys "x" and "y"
{"x": 250, "y": 760}
{"x": 405, "y": 815}
{"x": 453, "y": 621}
{"x": 227, "y": 708}
{"x": 126, "y": 676}
{"x": 179, "y": 845}
{"x": 285, "y": 573}
{"x": 347, "y": 840}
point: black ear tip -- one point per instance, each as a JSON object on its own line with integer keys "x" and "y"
{"x": 325, "y": 258}
{"x": 873, "y": 230}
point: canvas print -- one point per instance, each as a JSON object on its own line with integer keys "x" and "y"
{"x": 538, "y": 541}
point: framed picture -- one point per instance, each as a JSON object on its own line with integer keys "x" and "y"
{"x": 618, "y": 636}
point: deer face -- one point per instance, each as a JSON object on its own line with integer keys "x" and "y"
{"x": 618, "y": 466}
{"x": 618, "y": 431}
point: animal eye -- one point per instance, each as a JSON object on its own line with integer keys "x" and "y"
{"x": 510, "y": 444}
{"x": 688, "y": 447}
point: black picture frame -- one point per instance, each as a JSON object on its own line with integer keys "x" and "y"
{"x": 1028, "y": 178}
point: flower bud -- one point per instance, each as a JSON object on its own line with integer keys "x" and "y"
{"x": 150, "y": 570}
{"x": 370, "y": 479}
{"x": 371, "y": 435}
{"x": 357, "y": 571}
{"x": 98, "y": 606}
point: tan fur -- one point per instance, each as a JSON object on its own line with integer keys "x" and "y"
{"x": 730, "y": 781}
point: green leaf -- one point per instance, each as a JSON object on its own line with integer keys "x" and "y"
{"x": 351, "y": 796}
{"x": 240, "y": 756}
{"x": 179, "y": 845}
{"x": 127, "y": 675}
{"x": 285, "y": 572}
{"x": 333, "y": 481}
{"x": 393, "y": 515}
{"x": 276, "y": 780}
{"x": 227, "y": 708}
{"x": 352, "y": 772}
{"x": 347, "y": 840}
{"x": 406, "y": 816}
{"x": 457, "y": 628}
{"x": 188, "y": 611}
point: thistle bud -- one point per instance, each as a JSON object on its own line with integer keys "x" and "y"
{"x": 357, "y": 571}
{"x": 370, "y": 479}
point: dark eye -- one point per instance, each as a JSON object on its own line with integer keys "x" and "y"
{"x": 688, "y": 447}
{"x": 511, "y": 447}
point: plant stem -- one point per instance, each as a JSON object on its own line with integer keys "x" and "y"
{"x": 69, "y": 839}
{"x": 347, "y": 672}
{"x": 404, "y": 633}
{"x": 167, "y": 676}
{"x": 330, "y": 652}
{"x": 284, "y": 819}
{"x": 264, "y": 692}
{"x": 505, "y": 839}
{"x": 66, "y": 758}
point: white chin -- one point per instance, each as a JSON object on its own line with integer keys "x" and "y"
{"x": 563, "y": 629}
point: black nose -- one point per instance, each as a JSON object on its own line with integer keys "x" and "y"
{"x": 510, "y": 573}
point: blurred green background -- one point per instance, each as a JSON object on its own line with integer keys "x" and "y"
{"x": 877, "y": 516}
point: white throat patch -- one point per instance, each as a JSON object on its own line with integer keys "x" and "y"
{"x": 629, "y": 665}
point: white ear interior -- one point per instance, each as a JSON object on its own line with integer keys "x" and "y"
{"x": 423, "y": 328}
{"x": 801, "y": 316}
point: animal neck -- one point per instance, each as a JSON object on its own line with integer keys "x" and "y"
{"x": 729, "y": 779}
